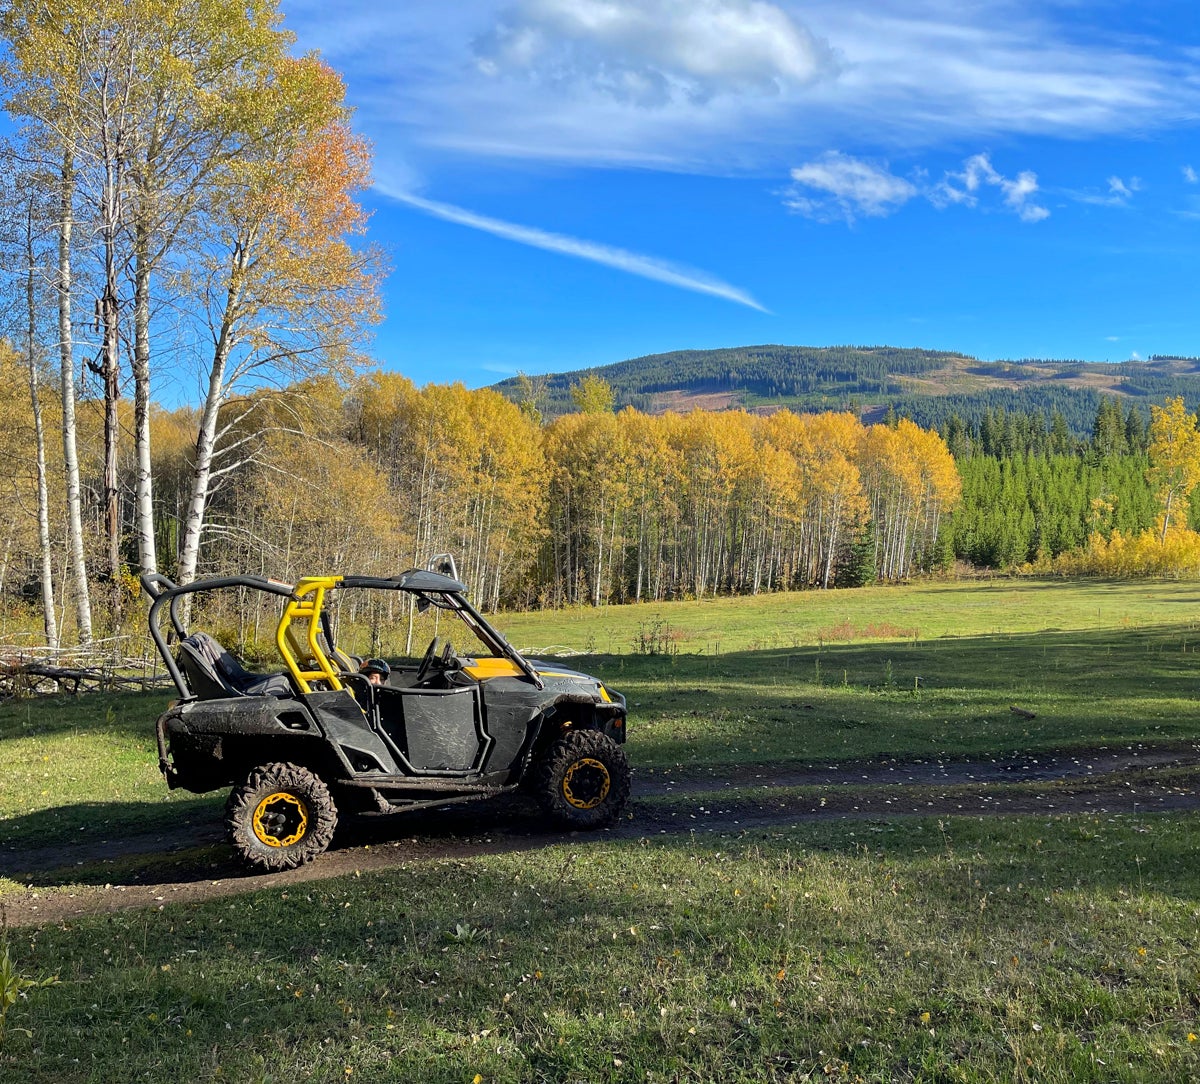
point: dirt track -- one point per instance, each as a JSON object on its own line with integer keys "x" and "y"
{"x": 191, "y": 863}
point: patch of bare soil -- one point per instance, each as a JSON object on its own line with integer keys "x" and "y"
{"x": 192, "y": 863}
{"x": 683, "y": 401}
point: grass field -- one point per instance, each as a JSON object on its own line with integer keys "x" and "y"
{"x": 1028, "y": 948}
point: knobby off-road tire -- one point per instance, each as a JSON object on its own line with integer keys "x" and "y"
{"x": 582, "y": 780}
{"x": 281, "y": 817}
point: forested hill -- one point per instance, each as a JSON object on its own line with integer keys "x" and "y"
{"x": 926, "y": 385}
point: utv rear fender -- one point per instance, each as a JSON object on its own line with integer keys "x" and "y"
{"x": 203, "y": 745}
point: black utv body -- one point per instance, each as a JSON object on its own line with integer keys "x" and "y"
{"x": 299, "y": 745}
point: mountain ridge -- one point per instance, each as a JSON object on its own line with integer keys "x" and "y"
{"x": 926, "y": 385}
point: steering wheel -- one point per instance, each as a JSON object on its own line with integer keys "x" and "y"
{"x": 427, "y": 661}
{"x": 449, "y": 659}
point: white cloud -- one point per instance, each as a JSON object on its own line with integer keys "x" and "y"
{"x": 839, "y": 186}
{"x": 621, "y": 259}
{"x": 1190, "y": 175}
{"x": 726, "y": 86}
{"x": 1119, "y": 193}
{"x": 654, "y": 52}
{"x": 964, "y": 188}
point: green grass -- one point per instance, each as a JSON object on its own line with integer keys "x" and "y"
{"x": 926, "y": 611}
{"x": 77, "y": 769}
{"x": 1048, "y": 949}
{"x": 787, "y": 686}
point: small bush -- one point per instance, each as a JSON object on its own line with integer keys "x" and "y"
{"x": 1144, "y": 554}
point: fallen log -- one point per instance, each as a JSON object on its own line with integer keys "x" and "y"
{"x": 31, "y": 678}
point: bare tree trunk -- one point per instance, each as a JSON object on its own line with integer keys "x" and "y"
{"x": 110, "y": 371}
{"x": 83, "y": 604}
{"x": 144, "y": 489}
{"x": 189, "y": 550}
{"x": 49, "y": 620}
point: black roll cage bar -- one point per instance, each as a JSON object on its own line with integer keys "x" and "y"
{"x": 422, "y": 584}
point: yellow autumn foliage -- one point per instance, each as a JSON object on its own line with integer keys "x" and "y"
{"x": 1173, "y": 553}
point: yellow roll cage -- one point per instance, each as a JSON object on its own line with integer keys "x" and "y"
{"x": 306, "y": 605}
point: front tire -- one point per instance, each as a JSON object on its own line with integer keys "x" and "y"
{"x": 281, "y": 817}
{"x": 583, "y": 780}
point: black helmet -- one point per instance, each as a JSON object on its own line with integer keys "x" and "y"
{"x": 375, "y": 666}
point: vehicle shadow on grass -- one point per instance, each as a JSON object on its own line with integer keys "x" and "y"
{"x": 86, "y": 832}
{"x": 193, "y": 849}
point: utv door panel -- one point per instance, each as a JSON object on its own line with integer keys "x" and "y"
{"x": 513, "y": 705}
{"x": 436, "y": 730}
{"x": 346, "y": 725}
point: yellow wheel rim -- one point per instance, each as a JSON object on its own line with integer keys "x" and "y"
{"x": 280, "y": 820}
{"x": 586, "y": 783}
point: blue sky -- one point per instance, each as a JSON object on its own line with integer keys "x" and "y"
{"x": 567, "y": 183}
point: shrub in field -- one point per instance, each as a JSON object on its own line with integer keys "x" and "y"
{"x": 1175, "y": 552}
{"x": 656, "y": 637}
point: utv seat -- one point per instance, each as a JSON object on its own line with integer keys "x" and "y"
{"x": 213, "y": 673}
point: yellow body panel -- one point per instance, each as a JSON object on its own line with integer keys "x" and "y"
{"x": 492, "y": 668}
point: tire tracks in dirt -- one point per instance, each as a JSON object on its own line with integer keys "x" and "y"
{"x": 190, "y": 863}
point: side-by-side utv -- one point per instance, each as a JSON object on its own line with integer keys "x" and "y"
{"x": 319, "y": 736}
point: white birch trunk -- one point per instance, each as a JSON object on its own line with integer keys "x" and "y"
{"x": 49, "y": 620}
{"x": 189, "y": 550}
{"x": 83, "y": 602}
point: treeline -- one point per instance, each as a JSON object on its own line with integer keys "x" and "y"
{"x": 591, "y": 507}
{"x": 1017, "y": 509}
{"x": 1038, "y": 419}
{"x": 378, "y": 475}
{"x": 375, "y": 475}
{"x": 771, "y": 372}
{"x": 1033, "y": 493}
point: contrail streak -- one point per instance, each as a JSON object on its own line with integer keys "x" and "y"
{"x": 623, "y": 260}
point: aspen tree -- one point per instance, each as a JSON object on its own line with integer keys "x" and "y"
{"x": 1174, "y": 459}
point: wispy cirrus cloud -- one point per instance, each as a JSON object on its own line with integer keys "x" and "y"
{"x": 633, "y": 263}
{"x": 1190, "y": 175}
{"x": 731, "y": 85}
{"x": 837, "y": 185}
{"x": 1119, "y": 193}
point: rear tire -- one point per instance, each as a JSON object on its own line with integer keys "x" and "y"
{"x": 281, "y": 817}
{"x": 582, "y": 780}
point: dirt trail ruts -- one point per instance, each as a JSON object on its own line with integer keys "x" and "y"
{"x": 187, "y": 865}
